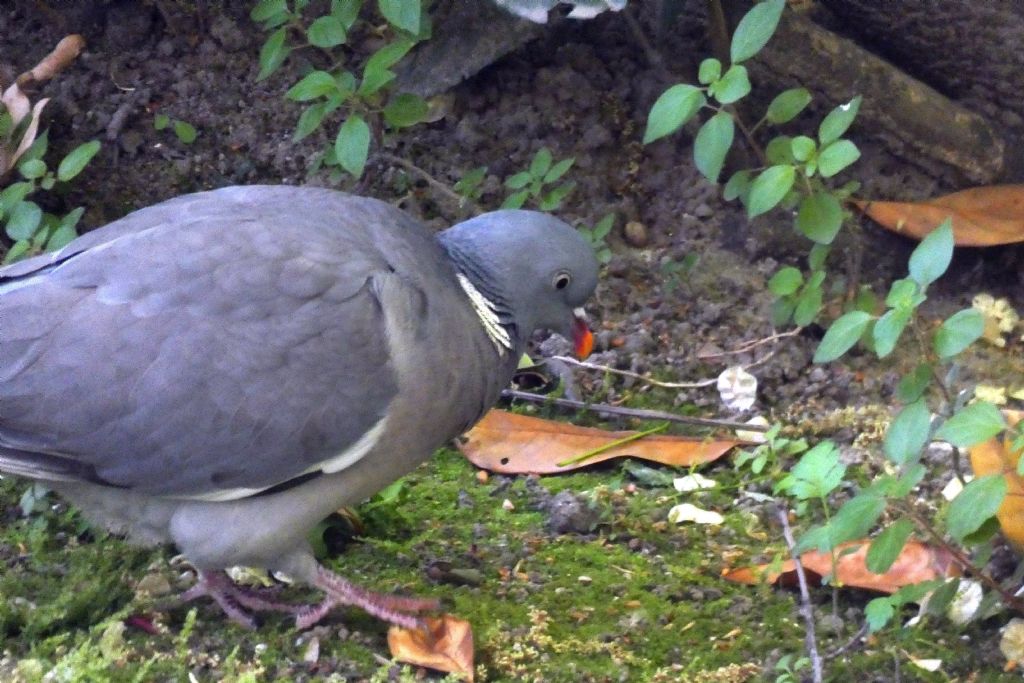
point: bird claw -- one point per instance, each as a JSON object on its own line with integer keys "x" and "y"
{"x": 237, "y": 601}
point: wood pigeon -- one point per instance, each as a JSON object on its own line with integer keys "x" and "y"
{"x": 223, "y": 370}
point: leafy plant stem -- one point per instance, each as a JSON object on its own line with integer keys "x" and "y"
{"x": 576, "y": 459}
{"x": 436, "y": 184}
{"x": 747, "y": 133}
{"x": 961, "y": 558}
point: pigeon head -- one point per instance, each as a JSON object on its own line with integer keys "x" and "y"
{"x": 532, "y": 270}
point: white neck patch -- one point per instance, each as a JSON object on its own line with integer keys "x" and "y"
{"x": 488, "y": 315}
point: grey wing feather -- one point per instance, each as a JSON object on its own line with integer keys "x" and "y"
{"x": 223, "y": 340}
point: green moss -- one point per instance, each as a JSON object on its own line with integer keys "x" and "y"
{"x": 639, "y": 599}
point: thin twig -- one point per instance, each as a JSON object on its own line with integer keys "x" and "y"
{"x": 449, "y": 193}
{"x": 1009, "y": 598}
{"x": 650, "y": 380}
{"x": 848, "y": 644}
{"x": 631, "y": 412}
{"x": 751, "y": 345}
{"x": 635, "y": 375}
{"x": 806, "y": 610}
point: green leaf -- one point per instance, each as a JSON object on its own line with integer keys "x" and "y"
{"x": 23, "y": 221}
{"x": 888, "y": 329}
{"x": 161, "y": 121}
{"x": 710, "y": 71}
{"x": 854, "y": 519}
{"x": 267, "y": 9}
{"x": 931, "y": 257}
{"x": 786, "y": 281}
{"x": 888, "y": 545}
{"x": 712, "y": 144}
{"x": 672, "y": 109}
{"x": 518, "y": 181}
{"x": 816, "y": 474}
{"x": 273, "y": 53}
{"x": 76, "y": 160}
{"x": 837, "y": 156}
{"x": 17, "y": 251}
{"x": 541, "y": 163}
{"x": 11, "y": 195}
{"x": 65, "y": 231}
{"x": 902, "y": 294}
{"x": 185, "y": 131}
{"x": 326, "y": 32}
{"x": 913, "y": 385}
{"x": 819, "y": 218}
{"x": 734, "y": 85}
{"x": 347, "y": 11}
{"x": 908, "y": 433}
{"x": 841, "y": 336}
{"x": 979, "y": 501}
{"x": 972, "y": 424}
{"x": 787, "y": 105}
{"x": 808, "y": 305}
{"x": 780, "y": 150}
{"x": 802, "y": 148}
{"x": 516, "y": 200}
{"x": 769, "y": 188}
{"x": 403, "y": 14}
{"x": 878, "y": 613}
{"x": 958, "y": 332}
{"x": 552, "y": 200}
{"x": 313, "y": 85}
{"x": 37, "y": 150}
{"x": 559, "y": 170}
{"x": 405, "y": 110}
{"x": 352, "y": 146}
{"x": 838, "y": 121}
{"x": 817, "y": 256}
{"x": 755, "y": 29}
{"x": 377, "y": 71}
{"x": 32, "y": 169}
{"x": 310, "y": 120}
{"x": 738, "y": 186}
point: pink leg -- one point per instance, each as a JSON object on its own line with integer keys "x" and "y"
{"x": 235, "y": 599}
{"x": 392, "y": 608}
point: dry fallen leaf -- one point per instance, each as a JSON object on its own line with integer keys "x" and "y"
{"x": 49, "y": 66}
{"x": 445, "y": 645}
{"x": 992, "y": 457}
{"x": 918, "y": 562}
{"x": 982, "y": 216}
{"x": 516, "y": 444}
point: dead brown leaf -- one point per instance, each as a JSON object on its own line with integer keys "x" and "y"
{"x": 49, "y": 66}
{"x": 445, "y": 645}
{"x": 519, "y": 444}
{"x": 918, "y": 562}
{"x": 982, "y": 216}
{"x": 993, "y": 457}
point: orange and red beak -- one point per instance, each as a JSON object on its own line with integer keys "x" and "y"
{"x": 582, "y": 337}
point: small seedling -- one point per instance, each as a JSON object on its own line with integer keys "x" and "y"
{"x": 598, "y": 235}
{"x": 532, "y": 184}
{"x": 470, "y": 185}
{"x": 183, "y": 130}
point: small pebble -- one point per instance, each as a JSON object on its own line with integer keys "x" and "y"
{"x": 508, "y": 505}
{"x": 585, "y": 580}
{"x": 636, "y": 234}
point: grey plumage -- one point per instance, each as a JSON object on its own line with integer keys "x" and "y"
{"x": 224, "y": 369}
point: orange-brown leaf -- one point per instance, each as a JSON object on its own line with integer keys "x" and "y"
{"x": 982, "y": 216}
{"x": 993, "y": 457}
{"x": 517, "y": 444}
{"x": 917, "y": 562}
{"x": 445, "y": 645}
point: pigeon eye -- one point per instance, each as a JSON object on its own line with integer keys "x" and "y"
{"x": 562, "y": 280}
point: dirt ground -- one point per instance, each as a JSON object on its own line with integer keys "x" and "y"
{"x": 583, "y": 90}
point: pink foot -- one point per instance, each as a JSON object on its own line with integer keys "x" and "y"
{"x": 395, "y": 609}
{"x": 235, "y": 599}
